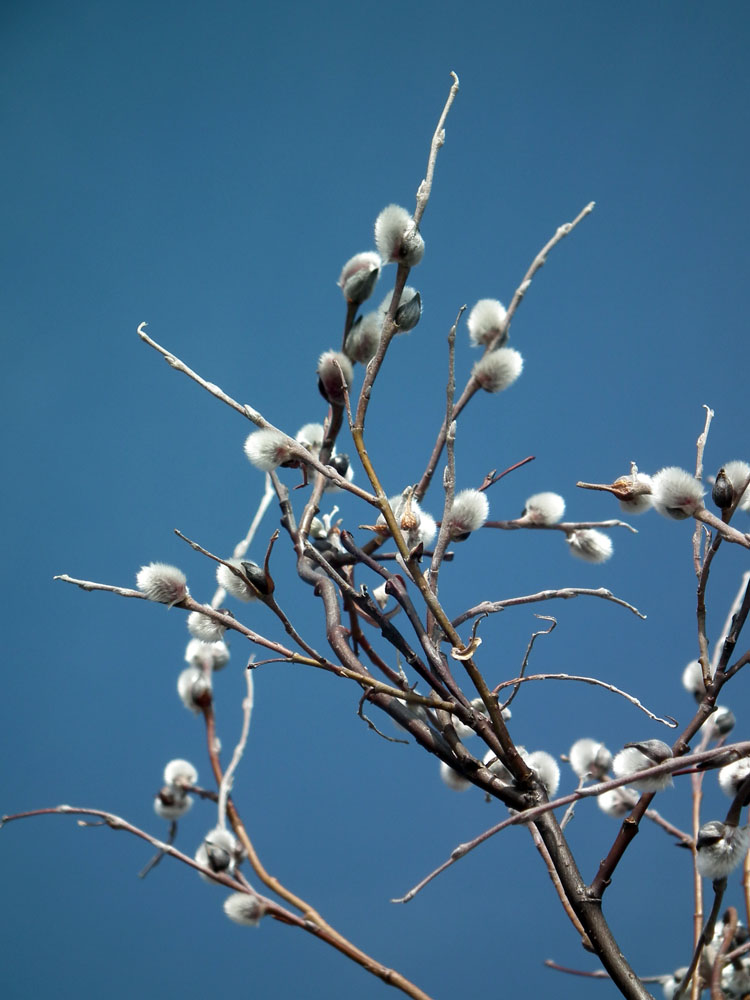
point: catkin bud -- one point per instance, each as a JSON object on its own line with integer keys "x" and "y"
{"x": 737, "y": 473}
{"x": 162, "y": 583}
{"x": 194, "y": 688}
{"x": 180, "y": 772}
{"x": 617, "y": 802}
{"x": 722, "y": 493}
{"x": 455, "y": 781}
{"x": 544, "y": 508}
{"x": 486, "y": 323}
{"x": 364, "y": 337}
{"x": 590, "y": 759}
{"x": 359, "y": 275}
{"x": 469, "y": 512}
{"x": 233, "y": 584}
{"x": 207, "y": 655}
{"x": 637, "y": 757}
{"x": 171, "y": 803}
{"x": 268, "y": 448}
{"x": 721, "y": 722}
{"x": 203, "y": 627}
{"x": 218, "y": 851}
{"x": 732, "y": 775}
{"x": 335, "y": 376}
{"x": 397, "y": 237}
{"x": 408, "y": 311}
{"x": 676, "y": 493}
{"x": 692, "y": 680}
{"x": 310, "y": 436}
{"x": 590, "y": 545}
{"x": 498, "y": 370}
{"x": 546, "y": 768}
{"x": 244, "y": 908}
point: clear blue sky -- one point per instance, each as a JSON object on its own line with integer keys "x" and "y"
{"x": 208, "y": 168}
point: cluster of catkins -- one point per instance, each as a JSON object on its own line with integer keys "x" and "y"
{"x": 734, "y": 982}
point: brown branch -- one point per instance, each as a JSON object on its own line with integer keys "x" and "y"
{"x": 564, "y": 593}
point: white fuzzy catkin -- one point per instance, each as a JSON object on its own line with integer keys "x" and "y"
{"x": 233, "y": 584}
{"x": 358, "y": 276}
{"x": 171, "y": 803}
{"x": 737, "y": 473}
{"x": 547, "y": 770}
{"x": 544, "y": 508}
{"x": 676, "y": 493}
{"x": 617, "y": 802}
{"x": 244, "y": 908}
{"x": 720, "y": 848}
{"x": 487, "y": 321}
{"x": 268, "y": 448}
{"x": 469, "y": 512}
{"x": 397, "y": 237}
{"x": 630, "y": 760}
{"x": 310, "y": 436}
{"x": 590, "y": 545}
{"x": 590, "y": 759}
{"x": 732, "y": 775}
{"x": 333, "y": 367}
{"x": 203, "y": 627}
{"x": 455, "y": 781}
{"x": 162, "y": 583}
{"x": 192, "y": 685}
{"x": 408, "y": 310}
{"x": 692, "y": 679}
{"x": 218, "y": 851}
{"x": 180, "y": 772}
{"x": 208, "y": 655}
{"x": 417, "y": 524}
{"x": 498, "y": 370}
{"x": 363, "y": 339}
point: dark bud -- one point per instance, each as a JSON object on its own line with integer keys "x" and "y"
{"x": 723, "y": 491}
{"x": 340, "y": 463}
{"x": 256, "y": 577}
{"x": 408, "y": 314}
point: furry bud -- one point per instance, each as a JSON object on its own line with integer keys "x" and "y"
{"x": 637, "y": 757}
{"x": 486, "y": 323}
{"x": 171, "y": 803}
{"x": 590, "y": 545}
{"x": 194, "y": 689}
{"x": 720, "y": 848}
{"x": 544, "y": 508}
{"x": 310, "y": 436}
{"x": 203, "y": 627}
{"x": 335, "y": 375}
{"x": 546, "y": 768}
{"x": 358, "y": 277}
{"x": 267, "y": 449}
{"x": 498, "y": 370}
{"x": 732, "y": 775}
{"x": 469, "y": 512}
{"x": 244, "y": 908}
{"x": 207, "y": 655}
{"x": 218, "y": 852}
{"x": 162, "y": 583}
{"x": 590, "y": 759}
{"x": 363, "y": 339}
{"x": 676, "y": 493}
{"x": 737, "y": 473}
{"x": 617, "y": 802}
{"x": 235, "y": 585}
{"x": 397, "y": 237}
{"x": 180, "y": 772}
{"x": 455, "y": 781}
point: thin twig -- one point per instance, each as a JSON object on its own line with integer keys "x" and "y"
{"x": 425, "y": 188}
{"x": 228, "y": 778}
{"x": 564, "y": 593}
{"x": 667, "y": 721}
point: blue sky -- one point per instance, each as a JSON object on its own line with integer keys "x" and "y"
{"x": 208, "y": 168}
